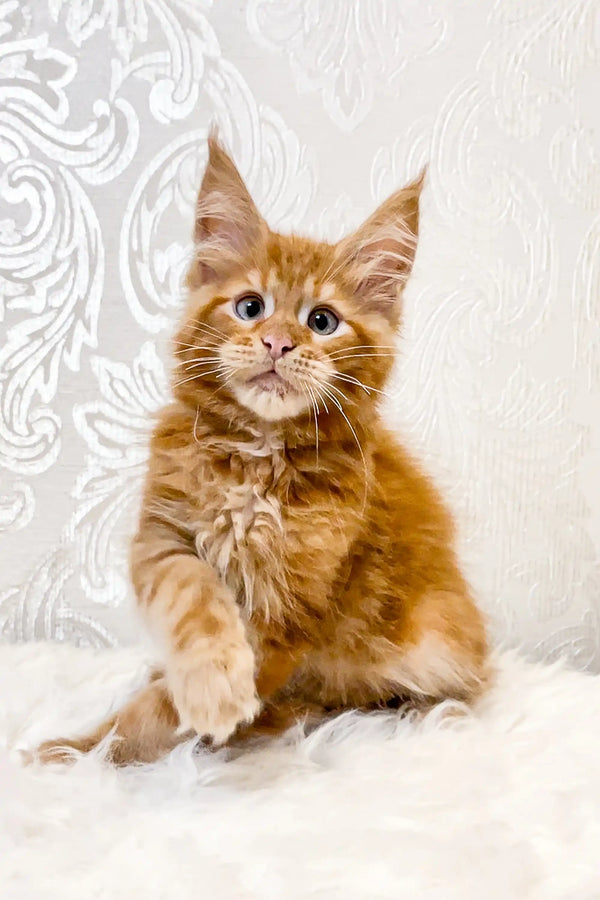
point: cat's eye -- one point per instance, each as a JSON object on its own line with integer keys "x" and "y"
{"x": 323, "y": 321}
{"x": 250, "y": 306}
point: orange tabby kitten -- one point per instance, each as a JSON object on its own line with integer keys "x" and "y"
{"x": 290, "y": 555}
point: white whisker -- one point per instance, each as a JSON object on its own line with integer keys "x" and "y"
{"x": 337, "y": 403}
{"x": 335, "y": 353}
{"x": 201, "y": 361}
{"x": 187, "y": 347}
{"x": 363, "y": 356}
{"x": 315, "y": 407}
{"x": 352, "y": 380}
{"x": 198, "y": 375}
{"x": 332, "y": 387}
{"x": 225, "y": 383}
{"x": 322, "y": 399}
{"x": 206, "y": 334}
{"x": 208, "y": 329}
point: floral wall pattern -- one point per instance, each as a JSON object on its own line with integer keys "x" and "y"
{"x": 327, "y": 105}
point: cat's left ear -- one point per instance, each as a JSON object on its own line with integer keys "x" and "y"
{"x": 378, "y": 258}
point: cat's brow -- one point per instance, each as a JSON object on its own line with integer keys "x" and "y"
{"x": 255, "y": 280}
{"x": 327, "y": 291}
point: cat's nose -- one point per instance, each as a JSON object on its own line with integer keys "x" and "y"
{"x": 277, "y": 344}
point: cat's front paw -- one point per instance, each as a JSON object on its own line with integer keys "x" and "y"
{"x": 214, "y": 690}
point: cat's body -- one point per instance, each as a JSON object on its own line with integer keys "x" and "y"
{"x": 291, "y": 556}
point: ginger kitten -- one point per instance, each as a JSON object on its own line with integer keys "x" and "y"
{"x": 291, "y": 556}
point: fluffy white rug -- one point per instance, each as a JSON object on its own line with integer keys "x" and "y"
{"x": 503, "y": 804}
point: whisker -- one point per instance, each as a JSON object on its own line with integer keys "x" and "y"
{"x": 225, "y": 383}
{"x": 315, "y": 407}
{"x": 204, "y": 332}
{"x": 200, "y": 361}
{"x": 311, "y": 383}
{"x": 352, "y": 380}
{"x": 199, "y": 323}
{"x": 334, "y": 353}
{"x": 207, "y": 337}
{"x": 322, "y": 399}
{"x": 187, "y": 347}
{"x": 332, "y": 387}
{"x": 335, "y": 400}
{"x": 209, "y": 330}
{"x": 363, "y": 356}
{"x": 335, "y": 266}
{"x": 198, "y": 375}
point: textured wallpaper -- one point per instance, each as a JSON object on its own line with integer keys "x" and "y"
{"x": 327, "y": 105}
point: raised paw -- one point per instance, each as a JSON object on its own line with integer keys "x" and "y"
{"x": 213, "y": 688}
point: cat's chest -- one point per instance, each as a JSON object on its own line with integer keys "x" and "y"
{"x": 234, "y": 518}
{"x": 240, "y": 525}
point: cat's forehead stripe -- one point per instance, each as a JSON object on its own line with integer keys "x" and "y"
{"x": 309, "y": 286}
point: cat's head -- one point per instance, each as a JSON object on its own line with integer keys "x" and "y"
{"x": 284, "y": 326}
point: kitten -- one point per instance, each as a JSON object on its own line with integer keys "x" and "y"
{"x": 290, "y": 555}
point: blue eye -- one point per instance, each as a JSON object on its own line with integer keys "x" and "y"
{"x": 323, "y": 321}
{"x": 249, "y": 307}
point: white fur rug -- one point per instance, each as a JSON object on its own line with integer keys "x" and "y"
{"x": 504, "y": 804}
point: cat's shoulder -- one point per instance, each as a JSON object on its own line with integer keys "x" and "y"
{"x": 399, "y": 474}
{"x": 173, "y": 427}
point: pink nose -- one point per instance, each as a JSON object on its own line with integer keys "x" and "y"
{"x": 277, "y": 344}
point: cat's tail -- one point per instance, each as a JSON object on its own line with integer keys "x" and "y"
{"x": 144, "y": 730}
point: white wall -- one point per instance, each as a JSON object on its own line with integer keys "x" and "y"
{"x": 328, "y": 105}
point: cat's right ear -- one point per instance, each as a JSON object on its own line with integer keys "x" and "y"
{"x": 228, "y": 223}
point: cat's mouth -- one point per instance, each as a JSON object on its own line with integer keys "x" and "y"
{"x": 271, "y": 381}
{"x": 271, "y": 394}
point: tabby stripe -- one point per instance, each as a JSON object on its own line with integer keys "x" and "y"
{"x": 161, "y": 555}
{"x": 156, "y": 585}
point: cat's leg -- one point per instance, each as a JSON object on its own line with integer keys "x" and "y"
{"x": 277, "y": 663}
{"x": 436, "y": 650}
{"x": 209, "y": 665}
{"x": 148, "y": 726}
{"x": 440, "y": 655}
{"x": 144, "y": 730}
{"x": 208, "y": 685}
{"x": 209, "y": 681}
{"x": 441, "y": 651}
{"x": 281, "y": 709}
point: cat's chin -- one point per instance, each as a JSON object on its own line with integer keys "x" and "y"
{"x": 270, "y": 402}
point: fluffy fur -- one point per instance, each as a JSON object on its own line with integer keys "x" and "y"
{"x": 502, "y": 804}
{"x": 291, "y": 557}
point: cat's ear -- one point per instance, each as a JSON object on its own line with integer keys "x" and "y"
{"x": 378, "y": 257}
{"x": 228, "y": 223}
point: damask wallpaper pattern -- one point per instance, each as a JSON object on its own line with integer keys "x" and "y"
{"x": 327, "y": 105}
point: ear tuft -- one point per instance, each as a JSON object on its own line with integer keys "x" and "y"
{"x": 379, "y": 256}
{"x": 227, "y": 220}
